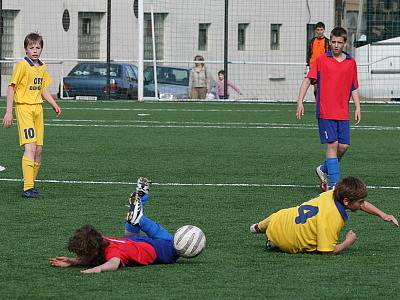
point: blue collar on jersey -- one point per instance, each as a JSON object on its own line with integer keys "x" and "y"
{"x": 342, "y": 210}
{"x": 330, "y": 54}
{"x": 30, "y": 62}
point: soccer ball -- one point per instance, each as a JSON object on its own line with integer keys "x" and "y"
{"x": 189, "y": 241}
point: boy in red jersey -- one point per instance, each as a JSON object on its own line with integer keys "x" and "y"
{"x": 335, "y": 74}
{"x": 28, "y": 87}
{"x": 105, "y": 253}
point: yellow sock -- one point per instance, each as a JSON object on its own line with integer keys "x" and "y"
{"x": 28, "y": 171}
{"x": 36, "y": 168}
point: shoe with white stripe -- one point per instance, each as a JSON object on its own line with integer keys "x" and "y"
{"x": 323, "y": 177}
{"x": 143, "y": 186}
{"x": 135, "y": 209}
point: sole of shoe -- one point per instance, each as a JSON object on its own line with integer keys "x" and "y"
{"x": 321, "y": 175}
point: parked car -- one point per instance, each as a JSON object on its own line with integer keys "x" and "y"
{"x": 89, "y": 81}
{"x": 172, "y": 82}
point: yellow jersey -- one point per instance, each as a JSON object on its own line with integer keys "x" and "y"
{"x": 315, "y": 225}
{"x": 29, "y": 81}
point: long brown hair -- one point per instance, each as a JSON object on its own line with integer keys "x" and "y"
{"x": 88, "y": 244}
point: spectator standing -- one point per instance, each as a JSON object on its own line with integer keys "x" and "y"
{"x": 199, "y": 79}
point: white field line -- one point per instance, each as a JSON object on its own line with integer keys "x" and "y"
{"x": 208, "y": 110}
{"x": 203, "y": 110}
{"x": 186, "y": 184}
{"x": 194, "y": 124}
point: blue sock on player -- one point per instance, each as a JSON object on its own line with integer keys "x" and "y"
{"x": 324, "y": 166}
{"x": 333, "y": 170}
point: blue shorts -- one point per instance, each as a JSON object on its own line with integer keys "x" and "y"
{"x": 165, "y": 250}
{"x": 334, "y": 130}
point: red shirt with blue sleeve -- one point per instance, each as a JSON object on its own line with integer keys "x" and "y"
{"x": 130, "y": 252}
{"x": 335, "y": 83}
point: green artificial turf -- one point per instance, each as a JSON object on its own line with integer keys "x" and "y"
{"x": 220, "y": 166}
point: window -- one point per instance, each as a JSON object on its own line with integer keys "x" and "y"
{"x": 89, "y": 34}
{"x": 203, "y": 36}
{"x": 131, "y": 73}
{"x": 7, "y": 39}
{"x": 86, "y": 25}
{"x": 66, "y": 20}
{"x": 275, "y": 36}
{"x": 242, "y": 36}
{"x": 158, "y": 35}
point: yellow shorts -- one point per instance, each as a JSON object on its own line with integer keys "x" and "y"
{"x": 30, "y": 123}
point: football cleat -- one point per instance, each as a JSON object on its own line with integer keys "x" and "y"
{"x": 135, "y": 209}
{"x": 143, "y": 186}
{"x": 31, "y": 193}
{"x": 2, "y": 168}
{"x": 269, "y": 246}
{"x": 323, "y": 177}
{"x": 323, "y": 186}
{"x": 254, "y": 229}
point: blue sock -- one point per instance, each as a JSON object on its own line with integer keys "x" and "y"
{"x": 324, "y": 166}
{"x": 132, "y": 228}
{"x": 154, "y": 230}
{"x": 136, "y": 228}
{"x": 145, "y": 198}
{"x": 333, "y": 171}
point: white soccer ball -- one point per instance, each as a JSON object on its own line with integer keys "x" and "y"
{"x": 189, "y": 241}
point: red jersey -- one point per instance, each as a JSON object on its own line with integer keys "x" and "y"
{"x": 335, "y": 83}
{"x": 130, "y": 252}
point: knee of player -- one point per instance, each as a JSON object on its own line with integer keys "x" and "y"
{"x": 343, "y": 147}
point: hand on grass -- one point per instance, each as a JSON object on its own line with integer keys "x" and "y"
{"x": 92, "y": 270}
{"x": 391, "y": 219}
{"x": 61, "y": 261}
{"x": 351, "y": 237}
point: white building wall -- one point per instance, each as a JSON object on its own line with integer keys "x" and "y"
{"x": 181, "y": 36}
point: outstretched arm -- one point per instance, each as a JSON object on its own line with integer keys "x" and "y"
{"x": 372, "y": 209}
{"x": 230, "y": 83}
{"x": 63, "y": 262}
{"x": 111, "y": 265}
{"x": 302, "y": 93}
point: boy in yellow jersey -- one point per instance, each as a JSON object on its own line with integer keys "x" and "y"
{"x": 315, "y": 225}
{"x": 28, "y": 87}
